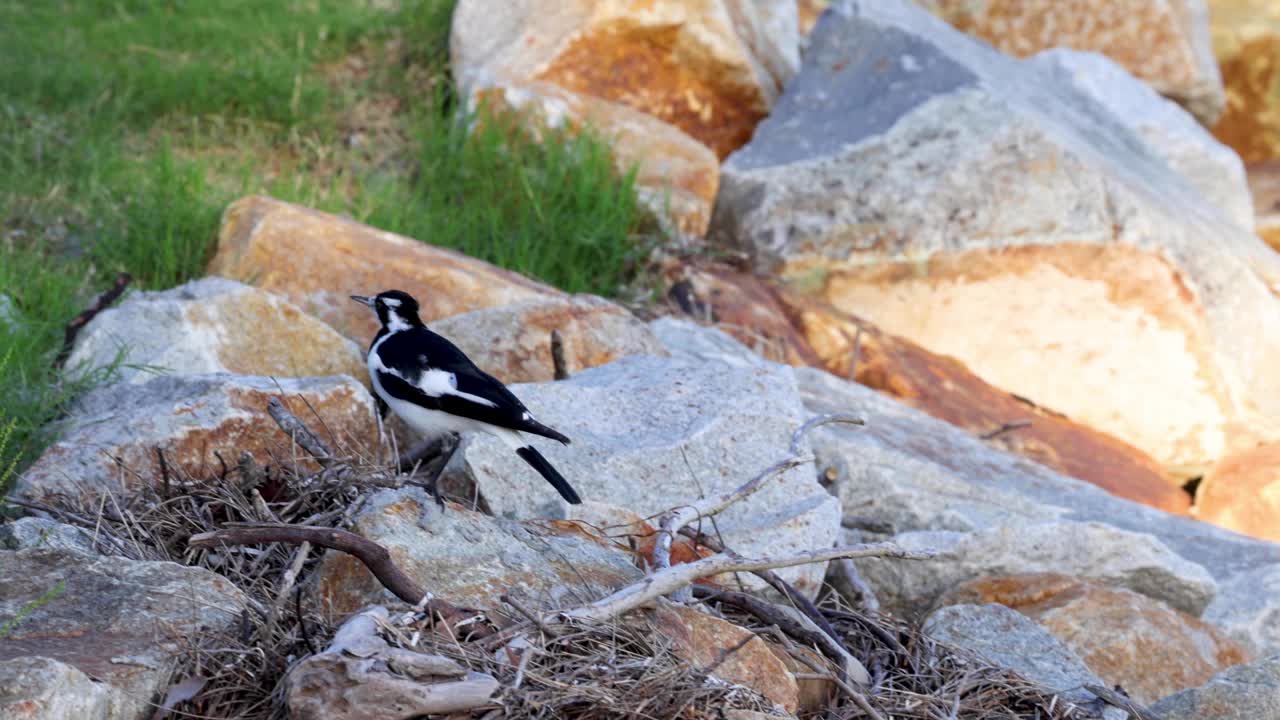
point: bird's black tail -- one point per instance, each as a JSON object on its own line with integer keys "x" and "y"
{"x": 539, "y": 463}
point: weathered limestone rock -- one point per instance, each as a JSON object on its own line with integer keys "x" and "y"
{"x": 786, "y": 327}
{"x": 652, "y": 433}
{"x": 213, "y": 325}
{"x": 471, "y": 558}
{"x": 1247, "y": 608}
{"x": 990, "y": 214}
{"x": 121, "y": 622}
{"x": 1125, "y": 638}
{"x": 1165, "y": 43}
{"x": 111, "y": 439}
{"x": 1242, "y": 493}
{"x": 513, "y": 342}
{"x": 40, "y": 688}
{"x": 1010, "y": 640}
{"x": 316, "y": 260}
{"x": 704, "y": 642}
{"x": 1246, "y": 39}
{"x": 1090, "y": 550}
{"x": 1244, "y": 692}
{"x": 711, "y": 68}
{"x": 676, "y": 85}
{"x": 1169, "y": 131}
{"x": 676, "y": 176}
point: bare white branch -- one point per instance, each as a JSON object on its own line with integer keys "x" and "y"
{"x": 673, "y": 578}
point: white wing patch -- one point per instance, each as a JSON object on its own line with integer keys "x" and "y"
{"x": 434, "y": 383}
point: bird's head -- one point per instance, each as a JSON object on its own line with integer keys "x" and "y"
{"x": 396, "y": 310}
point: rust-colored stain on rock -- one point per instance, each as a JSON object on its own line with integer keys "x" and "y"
{"x": 1126, "y": 638}
{"x": 1242, "y": 493}
{"x": 316, "y": 260}
{"x": 807, "y": 332}
{"x": 651, "y": 70}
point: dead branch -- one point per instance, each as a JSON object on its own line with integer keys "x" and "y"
{"x": 361, "y": 676}
{"x": 858, "y": 698}
{"x": 78, "y": 322}
{"x": 672, "y": 578}
{"x": 560, "y": 368}
{"x": 784, "y": 588}
{"x": 1005, "y": 428}
{"x": 1111, "y": 697}
{"x": 707, "y": 507}
{"x": 805, "y": 632}
{"x": 371, "y": 554}
{"x": 301, "y": 434}
{"x": 849, "y": 584}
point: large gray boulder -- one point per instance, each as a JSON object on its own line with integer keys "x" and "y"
{"x": 1171, "y": 133}
{"x": 650, "y": 434}
{"x": 1135, "y": 561}
{"x": 1247, "y": 607}
{"x": 31, "y": 533}
{"x": 1244, "y": 692}
{"x": 471, "y": 558}
{"x": 113, "y": 436}
{"x": 988, "y": 211}
{"x": 1009, "y": 639}
{"x": 212, "y": 325}
{"x": 123, "y": 623}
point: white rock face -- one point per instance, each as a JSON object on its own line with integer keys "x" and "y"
{"x": 1090, "y": 550}
{"x": 1170, "y": 132}
{"x": 988, "y": 211}
{"x": 213, "y": 325}
{"x": 652, "y": 433}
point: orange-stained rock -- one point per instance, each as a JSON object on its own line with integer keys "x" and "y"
{"x": 810, "y": 11}
{"x": 513, "y": 342}
{"x": 1163, "y": 42}
{"x": 316, "y": 260}
{"x": 676, "y": 85}
{"x": 1246, "y": 39}
{"x": 1128, "y": 639}
{"x": 709, "y": 67}
{"x": 735, "y": 653}
{"x": 111, "y": 439}
{"x": 787, "y": 327}
{"x": 1264, "y": 185}
{"x": 676, "y": 176}
{"x": 1242, "y": 493}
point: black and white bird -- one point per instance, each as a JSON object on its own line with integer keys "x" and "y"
{"x": 436, "y": 389}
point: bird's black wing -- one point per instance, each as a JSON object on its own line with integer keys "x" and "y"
{"x": 428, "y": 370}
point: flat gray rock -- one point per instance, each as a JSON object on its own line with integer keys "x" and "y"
{"x": 122, "y": 623}
{"x": 650, "y": 434}
{"x": 1247, "y": 607}
{"x": 1135, "y": 561}
{"x": 1011, "y": 640}
{"x": 1244, "y": 692}
{"x": 472, "y": 559}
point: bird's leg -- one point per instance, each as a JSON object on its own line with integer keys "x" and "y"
{"x": 448, "y": 446}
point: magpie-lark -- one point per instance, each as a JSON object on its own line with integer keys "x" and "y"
{"x": 436, "y": 389}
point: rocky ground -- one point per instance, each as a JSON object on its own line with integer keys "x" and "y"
{"x": 962, "y": 400}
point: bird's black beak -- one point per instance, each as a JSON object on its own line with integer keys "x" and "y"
{"x": 363, "y": 300}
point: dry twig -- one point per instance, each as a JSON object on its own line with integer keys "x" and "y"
{"x": 78, "y": 322}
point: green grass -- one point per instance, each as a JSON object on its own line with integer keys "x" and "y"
{"x": 142, "y": 119}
